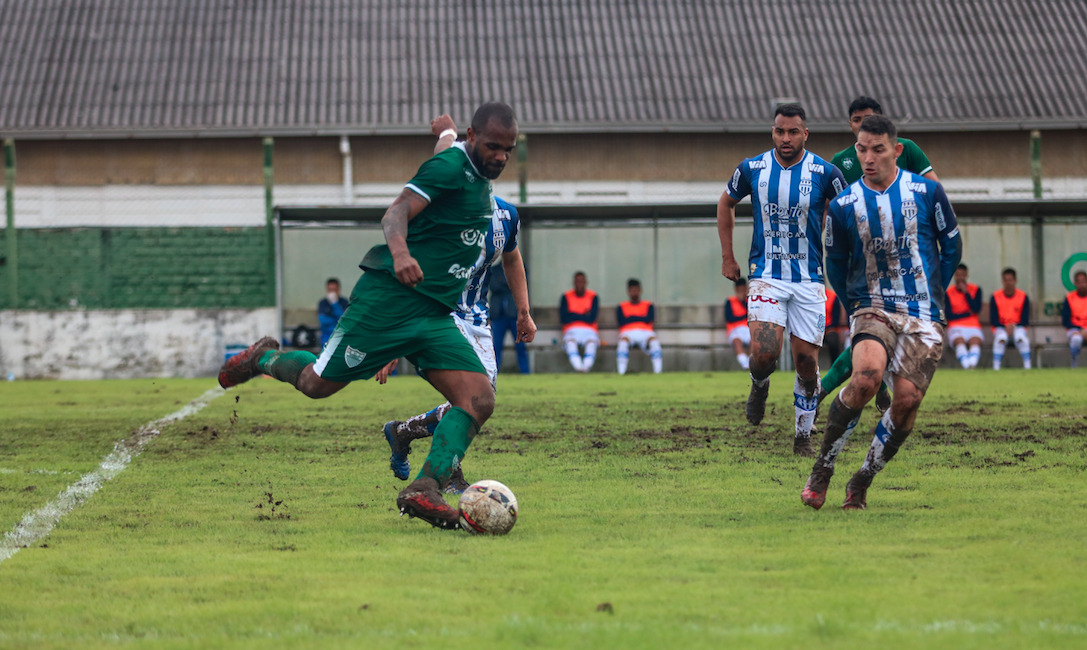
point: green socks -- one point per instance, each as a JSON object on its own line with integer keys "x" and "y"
{"x": 839, "y": 372}
{"x": 285, "y": 366}
{"x": 451, "y": 440}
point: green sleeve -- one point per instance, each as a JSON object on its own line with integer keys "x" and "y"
{"x": 436, "y": 176}
{"x": 913, "y": 159}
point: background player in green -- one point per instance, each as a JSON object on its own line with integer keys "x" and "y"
{"x": 912, "y": 160}
{"x": 402, "y": 305}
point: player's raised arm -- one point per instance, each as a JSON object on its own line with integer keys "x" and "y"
{"x": 395, "y": 226}
{"x": 947, "y": 233}
{"x": 445, "y": 130}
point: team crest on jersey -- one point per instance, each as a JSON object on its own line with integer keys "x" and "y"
{"x": 815, "y": 168}
{"x": 805, "y": 186}
{"x": 353, "y": 357}
{"x": 499, "y": 238}
{"x": 847, "y": 163}
{"x": 756, "y": 164}
{"x": 472, "y": 237}
{"x": 469, "y": 175}
{"x": 909, "y": 210}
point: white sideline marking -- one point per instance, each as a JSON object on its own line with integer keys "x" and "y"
{"x": 36, "y": 525}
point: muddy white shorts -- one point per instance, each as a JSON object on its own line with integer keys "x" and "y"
{"x": 483, "y": 343}
{"x": 799, "y": 306}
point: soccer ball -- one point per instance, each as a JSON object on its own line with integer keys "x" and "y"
{"x": 488, "y": 508}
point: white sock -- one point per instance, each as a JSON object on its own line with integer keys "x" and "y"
{"x": 744, "y": 361}
{"x": 804, "y": 407}
{"x": 656, "y": 356}
{"x": 590, "y": 356}
{"x": 961, "y": 355}
{"x": 622, "y": 356}
{"x": 975, "y": 355}
{"x": 1023, "y": 345}
{"x": 999, "y": 346}
{"x": 575, "y": 357}
{"x": 1075, "y": 344}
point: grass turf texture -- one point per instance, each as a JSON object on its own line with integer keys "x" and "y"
{"x": 651, "y": 516}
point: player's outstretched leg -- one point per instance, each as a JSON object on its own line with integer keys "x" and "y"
{"x": 885, "y": 444}
{"x": 838, "y": 373}
{"x": 804, "y": 404}
{"x": 472, "y": 398}
{"x": 399, "y": 435}
{"x": 243, "y": 366}
{"x": 841, "y": 421}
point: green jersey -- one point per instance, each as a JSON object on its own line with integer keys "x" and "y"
{"x": 912, "y": 160}
{"x": 446, "y": 238}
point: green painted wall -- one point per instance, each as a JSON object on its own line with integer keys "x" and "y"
{"x": 141, "y": 268}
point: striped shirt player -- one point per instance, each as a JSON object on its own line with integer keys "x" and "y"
{"x": 789, "y": 189}
{"x": 892, "y": 247}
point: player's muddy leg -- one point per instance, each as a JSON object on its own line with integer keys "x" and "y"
{"x": 805, "y": 393}
{"x": 400, "y": 435}
{"x": 766, "y": 340}
{"x": 656, "y": 356}
{"x": 622, "y": 355}
{"x": 841, "y": 421}
{"x": 891, "y": 431}
{"x": 296, "y": 368}
{"x": 838, "y": 373}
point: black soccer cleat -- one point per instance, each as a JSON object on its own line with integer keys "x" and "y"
{"x": 856, "y": 491}
{"x": 422, "y": 499}
{"x": 755, "y": 409}
{"x": 802, "y": 447}
{"x": 456, "y": 483}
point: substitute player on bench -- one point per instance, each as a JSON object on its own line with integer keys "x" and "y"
{"x": 891, "y": 241}
{"x": 402, "y": 304}
{"x": 736, "y": 329}
{"x": 579, "y": 309}
{"x": 963, "y": 324}
{"x": 1009, "y": 314}
{"x": 789, "y": 189}
{"x": 471, "y": 316}
{"x": 636, "y": 318}
{"x": 1074, "y": 316}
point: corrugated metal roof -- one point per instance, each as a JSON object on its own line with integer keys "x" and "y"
{"x": 109, "y": 68}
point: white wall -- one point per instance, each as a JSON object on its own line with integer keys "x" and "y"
{"x": 125, "y": 344}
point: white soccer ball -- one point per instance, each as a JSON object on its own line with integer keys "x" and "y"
{"x": 488, "y": 508}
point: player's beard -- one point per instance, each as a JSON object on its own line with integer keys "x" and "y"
{"x": 491, "y": 171}
{"x": 797, "y": 153}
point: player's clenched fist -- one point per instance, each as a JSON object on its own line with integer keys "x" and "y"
{"x": 730, "y": 269}
{"x": 407, "y": 270}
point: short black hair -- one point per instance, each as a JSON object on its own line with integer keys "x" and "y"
{"x": 863, "y": 103}
{"x": 741, "y": 282}
{"x": 791, "y": 110}
{"x": 581, "y": 273}
{"x": 962, "y": 267}
{"x": 880, "y": 125}
{"x": 1079, "y": 273}
{"x": 336, "y": 280}
{"x": 1009, "y": 271}
{"x": 493, "y": 111}
{"x": 633, "y": 283}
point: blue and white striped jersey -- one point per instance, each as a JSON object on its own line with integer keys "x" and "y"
{"x": 894, "y": 250}
{"x": 501, "y": 238}
{"x": 788, "y": 207}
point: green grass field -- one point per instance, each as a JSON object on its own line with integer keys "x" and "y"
{"x": 652, "y": 516}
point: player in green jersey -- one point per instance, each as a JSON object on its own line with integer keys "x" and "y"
{"x": 912, "y": 160}
{"x": 402, "y": 305}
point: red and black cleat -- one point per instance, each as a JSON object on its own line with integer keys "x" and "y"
{"x": 815, "y": 490}
{"x": 856, "y": 491}
{"x": 422, "y": 499}
{"x": 242, "y": 367}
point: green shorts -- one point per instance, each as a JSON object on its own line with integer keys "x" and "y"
{"x": 387, "y": 320}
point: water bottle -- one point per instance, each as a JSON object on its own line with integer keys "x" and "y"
{"x": 11, "y": 376}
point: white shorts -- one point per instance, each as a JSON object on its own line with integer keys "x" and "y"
{"x": 741, "y": 333}
{"x": 1075, "y": 331}
{"x": 1000, "y": 334}
{"x": 800, "y": 306}
{"x": 581, "y": 335}
{"x": 638, "y": 338}
{"x": 483, "y": 343}
{"x": 964, "y": 333}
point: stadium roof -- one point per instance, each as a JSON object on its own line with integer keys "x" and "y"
{"x": 217, "y": 68}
